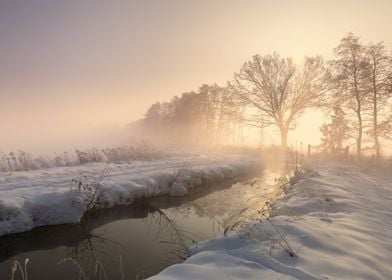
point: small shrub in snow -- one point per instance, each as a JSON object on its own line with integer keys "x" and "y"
{"x": 91, "y": 192}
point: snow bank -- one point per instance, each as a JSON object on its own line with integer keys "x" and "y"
{"x": 337, "y": 220}
{"x": 30, "y": 199}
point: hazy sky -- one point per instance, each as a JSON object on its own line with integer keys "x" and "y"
{"x": 71, "y": 68}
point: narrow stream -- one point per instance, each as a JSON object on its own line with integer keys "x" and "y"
{"x": 147, "y": 236}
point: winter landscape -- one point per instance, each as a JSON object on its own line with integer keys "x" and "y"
{"x": 171, "y": 139}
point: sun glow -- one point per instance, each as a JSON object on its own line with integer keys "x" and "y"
{"x": 116, "y": 63}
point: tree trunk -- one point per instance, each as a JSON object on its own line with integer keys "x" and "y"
{"x": 358, "y": 111}
{"x": 261, "y": 136}
{"x": 359, "y": 138}
{"x": 375, "y": 121}
{"x": 283, "y": 136}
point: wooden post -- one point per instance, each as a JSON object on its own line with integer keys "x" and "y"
{"x": 308, "y": 150}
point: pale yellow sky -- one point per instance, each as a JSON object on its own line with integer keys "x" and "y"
{"x": 74, "y": 72}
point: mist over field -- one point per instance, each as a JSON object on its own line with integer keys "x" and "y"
{"x": 82, "y": 76}
{"x": 209, "y": 139}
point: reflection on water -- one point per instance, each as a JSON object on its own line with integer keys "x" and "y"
{"x": 148, "y": 236}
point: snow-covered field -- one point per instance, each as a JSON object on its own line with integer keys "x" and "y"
{"x": 30, "y": 199}
{"x": 338, "y": 221}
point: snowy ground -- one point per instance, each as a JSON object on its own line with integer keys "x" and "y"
{"x": 338, "y": 221}
{"x": 30, "y": 199}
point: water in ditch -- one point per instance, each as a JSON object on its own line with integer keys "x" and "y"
{"x": 137, "y": 241}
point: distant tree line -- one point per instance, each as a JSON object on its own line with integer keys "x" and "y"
{"x": 209, "y": 115}
{"x": 355, "y": 86}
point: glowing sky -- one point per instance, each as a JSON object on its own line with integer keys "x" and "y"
{"x": 72, "y": 68}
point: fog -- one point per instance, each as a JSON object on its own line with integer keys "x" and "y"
{"x": 74, "y": 74}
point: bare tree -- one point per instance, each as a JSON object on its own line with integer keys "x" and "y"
{"x": 279, "y": 90}
{"x": 229, "y": 118}
{"x": 350, "y": 75}
{"x": 378, "y": 73}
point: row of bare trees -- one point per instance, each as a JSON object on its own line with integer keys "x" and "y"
{"x": 273, "y": 91}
